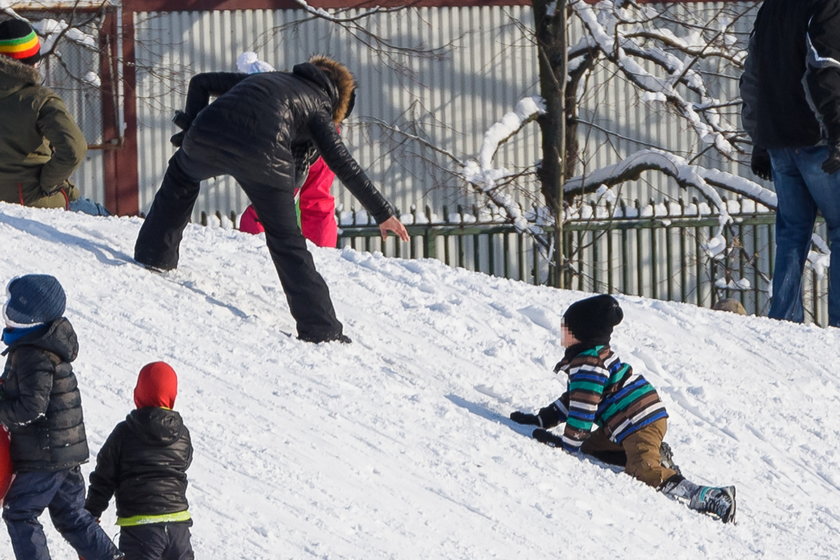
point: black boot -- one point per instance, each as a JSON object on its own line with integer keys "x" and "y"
{"x": 717, "y": 501}
{"x": 342, "y": 338}
{"x": 666, "y": 458}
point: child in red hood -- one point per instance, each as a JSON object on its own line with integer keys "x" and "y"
{"x": 143, "y": 464}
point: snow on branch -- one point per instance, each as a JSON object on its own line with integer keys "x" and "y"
{"x": 53, "y": 30}
{"x": 485, "y": 178}
{"x": 687, "y": 176}
{"x": 622, "y": 41}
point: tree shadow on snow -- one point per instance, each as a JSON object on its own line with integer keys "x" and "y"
{"x": 104, "y": 253}
{"x": 193, "y": 287}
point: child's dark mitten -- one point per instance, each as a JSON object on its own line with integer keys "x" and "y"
{"x": 550, "y": 416}
{"x": 525, "y": 418}
{"x": 546, "y": 437}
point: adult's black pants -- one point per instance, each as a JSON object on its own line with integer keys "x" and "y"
{"x": 160, "y": 236}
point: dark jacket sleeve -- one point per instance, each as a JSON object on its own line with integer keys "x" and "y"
{"x": 338, "y": 158}
{"x": 104, "y": 478}
{"x": 34, "y": 389}
{"x": 67, "y": 142}
{"x": 209, "y": 84}
{"x": 188, "y": 439}
{"x": 823, "y": 74}
{"x": 749, "y": 91}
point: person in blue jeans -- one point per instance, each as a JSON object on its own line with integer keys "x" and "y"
{"x": 791, "y": 110}
{"x": 42, "y": 409}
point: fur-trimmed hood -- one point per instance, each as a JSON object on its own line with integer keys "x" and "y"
{"x": 344, "y": 82}
{"x": 15, "y": 75}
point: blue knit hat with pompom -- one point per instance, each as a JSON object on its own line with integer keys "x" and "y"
{"x": 33, "y": 299}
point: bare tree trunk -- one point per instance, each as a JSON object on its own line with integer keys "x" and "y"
{"x": 550, "y": 21}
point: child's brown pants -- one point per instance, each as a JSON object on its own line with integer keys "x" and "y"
{"x": 642, "y": 450}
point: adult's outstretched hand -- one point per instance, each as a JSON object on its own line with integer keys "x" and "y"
{"x": 394, "y": 225}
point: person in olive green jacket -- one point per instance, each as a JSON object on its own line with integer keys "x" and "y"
{"x": 40, "y": 143}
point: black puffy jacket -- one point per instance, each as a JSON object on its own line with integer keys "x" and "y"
{"x": 143, "y": 463}
{"x": 791, "y": 81}
{"x": 261, "y": 125}
{"x": 41, "y": 404}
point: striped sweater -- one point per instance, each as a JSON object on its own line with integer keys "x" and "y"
{"x": 605, "y": 392}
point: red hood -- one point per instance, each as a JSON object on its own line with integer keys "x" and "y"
{"x": 157, "y": 385}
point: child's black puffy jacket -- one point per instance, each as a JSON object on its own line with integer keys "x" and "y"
{"x": 41, "y": 405}
{"x": 143, "y": 463}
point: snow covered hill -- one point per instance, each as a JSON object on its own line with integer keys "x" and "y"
{"x": 398, "y": 445}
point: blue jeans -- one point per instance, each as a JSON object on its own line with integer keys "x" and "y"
{"x": 803, "y": 189}
{"x": 63, "y": 492}
{"x": 87, "y": 206}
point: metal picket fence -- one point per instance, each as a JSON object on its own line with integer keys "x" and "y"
{"x": 662, "y": 251}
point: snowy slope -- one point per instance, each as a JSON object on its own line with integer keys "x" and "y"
{"x": 398, "y": 445}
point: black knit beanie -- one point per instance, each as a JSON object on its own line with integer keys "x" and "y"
{"x": 591, "y": 320}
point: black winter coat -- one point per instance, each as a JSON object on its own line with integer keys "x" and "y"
{"x": 264, "y": 125}
{"x": 791, "y": 80}
{"x": 143, "y": 463}
{"x": 41, "y": 404}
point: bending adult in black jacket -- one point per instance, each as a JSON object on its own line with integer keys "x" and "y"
{"x": 263, "y": 129}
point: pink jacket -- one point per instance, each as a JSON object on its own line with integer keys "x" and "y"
{"x": 317, "y": 208}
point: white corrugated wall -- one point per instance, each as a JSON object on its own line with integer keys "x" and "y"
{"x": 488, "y": 64}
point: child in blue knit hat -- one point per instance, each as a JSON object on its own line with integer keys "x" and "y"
{"x": 42, "y": 408}
{"x": 613, "y": 413}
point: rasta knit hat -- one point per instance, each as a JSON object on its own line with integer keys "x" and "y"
{"x": 592, "y": 319}
{"x": 33, "y": 299}
{"x": 157, "y": 385}
{"x": 19, "y": 41}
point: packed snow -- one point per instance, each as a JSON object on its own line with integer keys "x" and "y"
{"x": 398, "y": 446}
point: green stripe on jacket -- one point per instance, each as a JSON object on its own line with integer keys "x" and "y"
{"x": 135, "y": 520}
{"x": 627, "y": 400}
{"x": 589, "y": 386}
{"x": 584, "y": 425}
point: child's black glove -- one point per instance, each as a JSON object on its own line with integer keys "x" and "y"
{"x": 546, "y": 437}
{"x": 525, "y": 418}
{"x": 832, "y": 162}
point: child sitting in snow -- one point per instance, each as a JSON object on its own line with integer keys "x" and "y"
{"x": 143, "y": 463}
{"x": 630, "y": 418}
